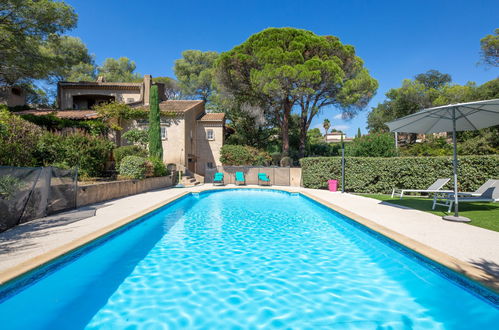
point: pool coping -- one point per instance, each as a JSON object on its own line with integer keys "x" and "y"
{"x": 461, "y": 267}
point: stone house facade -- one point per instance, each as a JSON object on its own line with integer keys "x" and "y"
{"x": 191, "y": 138}
{"x": 84, "y": 95}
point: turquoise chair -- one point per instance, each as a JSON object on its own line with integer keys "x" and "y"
{"x": 218, "y": 178}
{"x": 263, "y": 179}
{"x": 240, "y": 178}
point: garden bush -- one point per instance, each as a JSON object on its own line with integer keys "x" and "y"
{"x": 236, "y": 155}
{"x": 89, "y": 153}
{"x": 372, "y": 145}
{"x": 18, "y": 139}
{"x": 133, "y": 167}
{"x": 122, "y": 152}
{"x": 380, "y": 175}
{"x": 158, "y": 167}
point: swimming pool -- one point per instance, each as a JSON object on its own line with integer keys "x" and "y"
{"x": 238, "y": 259}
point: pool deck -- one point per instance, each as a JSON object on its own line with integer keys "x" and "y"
{"x": 467, "y": 249}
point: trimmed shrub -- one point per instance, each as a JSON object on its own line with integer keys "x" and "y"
{"x": 158, "y": 167}
{"x": 236, "y": 155}
{"x": 380, "y": 175}
{"x": 133, "y": 167}
{"x": 121, "y": 152}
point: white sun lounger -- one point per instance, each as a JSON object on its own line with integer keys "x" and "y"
{"x": 434, "y": 188}
{"x": 490, "y": 195}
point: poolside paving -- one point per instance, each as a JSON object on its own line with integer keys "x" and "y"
{"x": 25, "y": 243}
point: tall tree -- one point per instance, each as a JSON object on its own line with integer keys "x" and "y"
{"x": 155, "y": 145}
{"x": 359, "y": 133}
{"x": 172, "y": 88}
{"x": 26, "y": 28}
{"x": 434, "y": 79}
{"x": 489, "y": 46}
{"x": 326, "y": 124}
{"x": 410, "y": 98}
{"x": 279, "y": 68}
{"x": 118, "y": 70}
{"x": 194, "y": 72}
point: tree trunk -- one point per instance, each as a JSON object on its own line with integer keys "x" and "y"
{"x": 303, "y": 134}
{"x": 285, "y": 128}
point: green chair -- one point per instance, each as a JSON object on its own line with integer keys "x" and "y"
{"x": 218, "y": 178}
{"x": 263, "y": 179}
{"x": 240, "y": 178}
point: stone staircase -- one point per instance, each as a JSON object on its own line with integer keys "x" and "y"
{"x": 189, "y": 181}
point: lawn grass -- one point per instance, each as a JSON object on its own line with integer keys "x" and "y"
{"x": 485, "y": 215}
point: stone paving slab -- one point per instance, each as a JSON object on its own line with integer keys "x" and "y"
{"x": 474, "y": 245}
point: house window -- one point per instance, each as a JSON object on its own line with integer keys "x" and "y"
{"x": 163, "y": 133}
{"x": 210, "y": 135}
{"x": 209, "y": 165}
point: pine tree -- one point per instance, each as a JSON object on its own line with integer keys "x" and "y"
{"x": 359, "y": 134}
{"x": 155, "y": 145}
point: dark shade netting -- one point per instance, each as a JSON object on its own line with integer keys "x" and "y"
{"x": 27, "y": 193}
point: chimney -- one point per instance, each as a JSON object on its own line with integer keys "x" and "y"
{"x": 101, "y": 79}
{"x": 147, "y": 88}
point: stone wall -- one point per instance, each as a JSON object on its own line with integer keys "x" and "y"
{"x": 95, "y": 193}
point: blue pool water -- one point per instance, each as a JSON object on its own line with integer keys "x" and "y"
{"x": 242, "y": 259}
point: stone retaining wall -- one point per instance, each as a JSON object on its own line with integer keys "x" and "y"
{"x": 95, "y": 193}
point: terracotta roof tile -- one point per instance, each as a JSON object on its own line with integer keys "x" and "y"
{"x": 214, "y": 116}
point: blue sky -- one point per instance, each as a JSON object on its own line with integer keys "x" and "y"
{"x": 396, "y": 39}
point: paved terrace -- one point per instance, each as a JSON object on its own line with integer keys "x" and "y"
{"x": 459, "y": 246}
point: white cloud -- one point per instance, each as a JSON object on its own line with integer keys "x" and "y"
{"x": 338, "y": 116}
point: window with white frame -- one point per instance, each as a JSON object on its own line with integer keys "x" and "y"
{"x": 163, "y": 133}
{"x": 210, "y": 135}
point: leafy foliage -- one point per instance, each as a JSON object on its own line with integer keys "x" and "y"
{"x": 158, "y": 167}
{"x": 133, "y": 167}
{"x": 279, "y": 68}
{"x": 118, "y": 70}
{"x": 122, "y": 152}
{"x": 18, "y": 139}
{"x": 243, "y": 155}
{"x": 155, "y": 143}
{"x": 194, "y": 72}
{"x": 490, "y": 48}
{"x": 430, "y": 147}
{"x": 89, "y": 153}
{"x": 373, "y": 145}
{"x": 380, "y": 175}
{"x": 137, "y": 136}
{"x": 9, "y": 186}
{"x": 114, "y": 114}
{"x": 28, "y": 28}
{"x": 52, "y": 123}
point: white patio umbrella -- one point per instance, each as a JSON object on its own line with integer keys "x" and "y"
{"x": 450, "y": 118}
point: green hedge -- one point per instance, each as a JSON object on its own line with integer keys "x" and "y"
{"x": 380, "y": 175}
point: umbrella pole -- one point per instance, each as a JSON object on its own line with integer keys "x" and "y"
{"x": 454, "y": 142}
{"x": 456, "y": 216}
